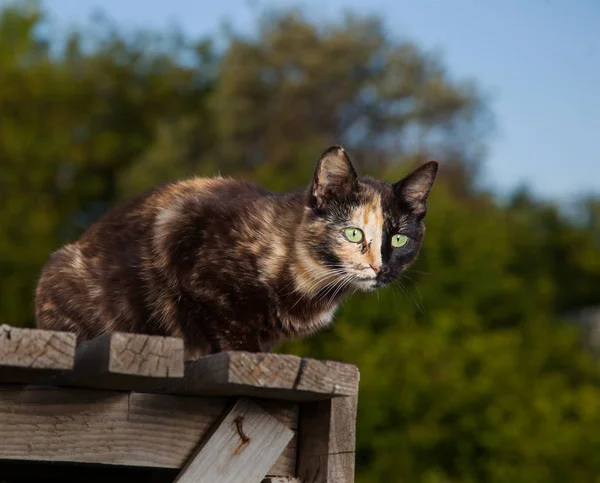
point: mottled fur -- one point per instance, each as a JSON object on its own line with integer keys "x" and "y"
{"x": 228, "y": 265}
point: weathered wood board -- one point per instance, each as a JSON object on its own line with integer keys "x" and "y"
{"x": 327, "y": 438}
{"x": 163, "y": 428}
{"x": 137, "y": 362}
{"x": 117, "y": 428}
{"x": 31, "y": 355}
{"x": 122, "y": 361}
{"x": 239, "y": 449}
{"x": 281, "y": 479}
{"x": 265, "y": 375}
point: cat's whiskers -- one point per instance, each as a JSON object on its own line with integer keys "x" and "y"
{"x": 327, "y": 289}
{"x": 338, "y": 286}
{"x": 398, "y": 285}
{"x": 416, "y": 285}
{"x": 312, "y": 270}
{"x": 348, "y": 282}
{"x": 421, "y": 272}
{"x": 307, "y": 291}
{"x": 313, "y": 280}
{"x": 334, "y": 285}
{"x": 304, "y": 267}
{"x": 407, "y": 293}
{"x": 336, "y": 276}
{"x": 342, "y": 285}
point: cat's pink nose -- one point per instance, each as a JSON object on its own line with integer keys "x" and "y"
{"x": 375, "y": 268}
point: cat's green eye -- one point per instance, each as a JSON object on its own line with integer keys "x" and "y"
{"x": 354, "y": 235}
{"x": 399, "y": 240}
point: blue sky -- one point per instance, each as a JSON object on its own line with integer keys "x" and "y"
{"x": 539, "y": 60}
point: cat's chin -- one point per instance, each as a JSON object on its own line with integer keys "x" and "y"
{"x": 371, "y": 285}
{"x": 367, "y": 285}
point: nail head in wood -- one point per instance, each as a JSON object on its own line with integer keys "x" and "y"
{"x": 240, "y": 449}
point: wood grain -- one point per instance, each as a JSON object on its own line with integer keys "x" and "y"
{"x": 281, "y": 479}
{"x": 145, "y": 355}
{"x": 31, "y": 355}
{"x": 265, "y": 375}
{"x": 117, "y": 428}
{"x": 326, "y": 441}
{"x": 240, "y": 449}
{"x": 125, "y": 361}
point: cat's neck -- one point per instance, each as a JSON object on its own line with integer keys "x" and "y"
{"x": 308, "y": 292}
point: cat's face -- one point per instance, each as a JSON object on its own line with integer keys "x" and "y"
{"x": 363, "y": 233}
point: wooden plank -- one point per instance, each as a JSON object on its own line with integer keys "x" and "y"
{"x": 326, "y": 441}
{"x": 125, "y": 361}
{"x": 288, "y": 414}
{"x": 117, "y": 428}
{"x": 281, "y": 479}
{"x": 31, "y": 355}
{"x": 240, "y": 449}
{"x": 275, "y": 376}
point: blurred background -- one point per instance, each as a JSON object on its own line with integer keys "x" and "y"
{"x": 481, "y": 364}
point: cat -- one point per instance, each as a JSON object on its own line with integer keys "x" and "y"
{"x": 227, "y": 265}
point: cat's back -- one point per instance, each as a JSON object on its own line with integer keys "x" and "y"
{"x": 194, "y": 210}
{"x": 214, "y": 225}
{"x": 138, "y": 215}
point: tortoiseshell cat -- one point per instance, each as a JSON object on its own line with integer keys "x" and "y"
{"x": 228, "y": 265}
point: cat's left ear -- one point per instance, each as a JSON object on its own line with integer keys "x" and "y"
{"x": 414, "y": 188}
{"x": 334, "y": 177}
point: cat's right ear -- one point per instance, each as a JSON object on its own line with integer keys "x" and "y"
{"x": 334, "y": 178}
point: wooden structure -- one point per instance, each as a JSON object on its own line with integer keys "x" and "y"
{"x": 126, "y": 407}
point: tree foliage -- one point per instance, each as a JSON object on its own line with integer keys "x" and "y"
{"x": 75, "y": 127}
{"x": 468, "y": 371}
{"x": 296, "y": 87}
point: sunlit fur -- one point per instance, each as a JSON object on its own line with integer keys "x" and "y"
{"x": 228, "y": 265}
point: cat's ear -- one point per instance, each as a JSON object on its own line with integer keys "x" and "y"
{"x": 334, "y": 177}
{"x": 414, "y": 188}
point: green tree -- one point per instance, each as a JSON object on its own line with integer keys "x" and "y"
{"x": 76, "y": 126}
{"x": 297, "y": 86}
